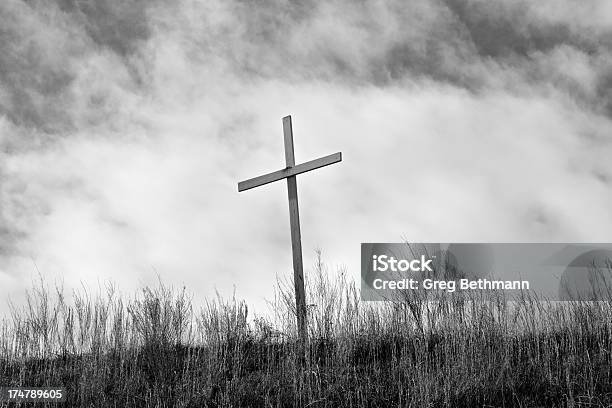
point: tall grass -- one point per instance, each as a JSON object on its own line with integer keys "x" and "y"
{"x": 155, "y": 349}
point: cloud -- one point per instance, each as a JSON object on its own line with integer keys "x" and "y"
{"x": 120, "y": 26}
{"x": 125, "y": 127}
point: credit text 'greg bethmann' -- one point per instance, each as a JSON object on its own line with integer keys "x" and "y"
{"x": 385, "y": 263}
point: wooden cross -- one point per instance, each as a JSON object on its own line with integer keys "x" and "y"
{"x": 289, "y": 172}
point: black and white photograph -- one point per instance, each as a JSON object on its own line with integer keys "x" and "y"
{"x": 327, "y": 203}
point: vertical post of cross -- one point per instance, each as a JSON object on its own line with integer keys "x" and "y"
{"x": 296, "y": 239}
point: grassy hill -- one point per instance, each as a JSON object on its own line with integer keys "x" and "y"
{"x": 156, "y": 350}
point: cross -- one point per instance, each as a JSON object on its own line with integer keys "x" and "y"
{"x": 289, "y": 172}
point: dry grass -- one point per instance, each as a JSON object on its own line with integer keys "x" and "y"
{"x": 155, "y": 350}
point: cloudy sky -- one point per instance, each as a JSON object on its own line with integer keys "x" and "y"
{"x": 126, "y": 125}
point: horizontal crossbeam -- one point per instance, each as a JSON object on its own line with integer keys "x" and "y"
{"x": 290, "y": 171}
